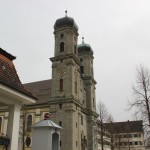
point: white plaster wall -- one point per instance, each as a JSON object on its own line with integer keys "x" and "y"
{"x": 42, "y": 139}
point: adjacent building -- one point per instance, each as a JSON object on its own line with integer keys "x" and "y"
{"x": 126, "y": 135}
{"x": 12, "y": 96}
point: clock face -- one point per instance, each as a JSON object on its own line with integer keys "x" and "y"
{"x": 61, "y": 70}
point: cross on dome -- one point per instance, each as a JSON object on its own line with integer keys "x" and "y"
{"x": 66, "y": 13}
{"x": 82, "y": 40}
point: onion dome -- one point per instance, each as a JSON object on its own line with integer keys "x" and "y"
{"x": 84, "y": 47}
{"x": 65, "y": 21}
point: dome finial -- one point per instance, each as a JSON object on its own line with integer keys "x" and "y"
{"x": 66, "y": 13}
{"x": 82, "y": 40}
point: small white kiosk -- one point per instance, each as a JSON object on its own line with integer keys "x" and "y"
{"x": 46, "y": 135}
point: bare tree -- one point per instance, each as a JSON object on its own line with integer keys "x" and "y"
{"x": 141, "y": 99}
{"x": 103, "y": 118}
{"x": 22, "y": 130}
{"x": 109, "y": 125}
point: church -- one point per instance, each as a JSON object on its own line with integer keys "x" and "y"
{"x": 69, "y": 96}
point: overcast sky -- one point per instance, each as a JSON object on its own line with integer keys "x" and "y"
{"x": 117, "y": 30}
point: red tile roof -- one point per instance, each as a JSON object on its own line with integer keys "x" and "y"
{"x": 8, "y": 74}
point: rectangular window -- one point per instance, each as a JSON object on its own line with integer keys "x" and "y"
{"x": 60, "y": 106}
{"x": 135, "y": 135}
{"x": 60, "y": 123}
{"x": 0, "y": 123}
{"x": 61, "y": 35}
{"x": 75, "y": 86}
{"x": 75, "y": 50}
{"x": 61, "y": 85}
{"x": 81, "y": 120}
{"x": 81, "y": 69}
{"x": 93, "y": 102}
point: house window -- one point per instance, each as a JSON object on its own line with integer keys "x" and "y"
{"x": 0, "y": 123}
{"x": 61, "y": 84}
{"x": 62, "y": 47}
{"x": 29, "y": 122}
{"x": 135, "y": 135}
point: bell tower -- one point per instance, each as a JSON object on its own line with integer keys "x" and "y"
{"x": 66, "y": 35}
{"x": 65, "y": 63}
{"x": 72, "y": 90}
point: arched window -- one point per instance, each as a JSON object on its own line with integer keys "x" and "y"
{"x": 55, "y": 141}
{"x": 0, "y": 123}
{"x": 62, "y": 47}
{"x": 29, "y": 122}
{"x": 28, "y": 141}
{"x": 61, "y": 84}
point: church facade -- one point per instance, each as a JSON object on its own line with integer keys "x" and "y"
{"x": 69, "y": 96}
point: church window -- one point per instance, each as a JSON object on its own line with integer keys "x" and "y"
{"x": 60, "y": 123}
{"x": 60, "y": 106}
{"x": 61, "y": 35}
{"x": 28, "y": 141}
{"x": 60, "y": 143}
{"x": 81, "y": 69}
{"x": 0, "y": 123}
{"x": 81, "y": 59}
{"x": 62, "y": 47}
{"x": 75, "y": 50}
{"x": 76, "y": 125}
{"x": 91, "y": 70}
{"x": 61, "y": 84}
{"x": 75, "y": 86}
{"x": 76, "y": 143}
{"x": 93, "y": 102}
{"x": 29, "y": 122}
{"x": 81, "y": 120}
